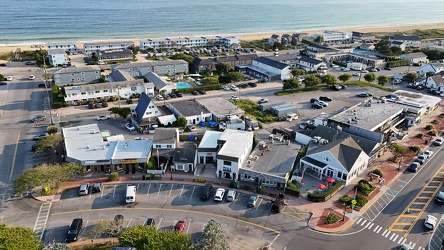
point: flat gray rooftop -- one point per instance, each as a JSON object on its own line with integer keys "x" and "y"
{"x": 220, "y": 107}
{"x": 189, "y": 108}
{"x": 369, "y": 117}
{"x": 276, "y": 160}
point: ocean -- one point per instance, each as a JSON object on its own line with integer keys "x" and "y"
{"x": 41, "y": 21}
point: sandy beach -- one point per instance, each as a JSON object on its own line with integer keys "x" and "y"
{"x": 259, "y": 36}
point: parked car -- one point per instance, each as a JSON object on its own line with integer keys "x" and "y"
{"x": 179, "y": 94}
{"x": 233, "y": 97}
{"x": 323, "y": 104}
{"x": 314, "y": 100}
{"x": 356, "y": 74}
{"x": 29, "y": 63}
{"x": 172, "y": 95}
{"x": 430, "y": 222}
{"x": 194, "y": 92}
{"x": 38, "y": 118}
{"x": 226, "y": 88}
{"x": 84, "y": 189}
{"x": 3, "y": 83}
{"x": 129, "y": 101}
{"x": 364, "y": 95}
{"x": 413, "y": 167}
{"x": 206, "y": 192}
{"x": 234, "y": 88}
{"x": 98, "y": 105}
{"x": 40, "y": 136}
{"x": 180, "y": 226}
{"x": 159, "y": 97}
{"x": 105, "y": 104}
{"x": 316, "y": 106}
{"x": 2, "y": 64}
{"x": 202, "y": 91}
{"x": 231, "y": 195}
{"x": 191, "y": 128}
{"x": 150, "y": 222}
{"x": 325, "y": 98}
{"x": 74, "y": 230}
{"x": 439, "y": 198}
{"x": 96, "y": 188}
{"x": 364, "y": 71}
{"x": 405, "y": 247}
{"x": 243, "y": 85}
{"x": 262, "y": 100}
{"x": 252, "y": 84}
{"x": 103, "y": 117}
{"x": 31, "y": 77}
{"x": 9, "y": 78}
{"x": 427, "y": 153}
{"x": 252, "y": 200}
{"x": 421, "y": 159}
{"x": 387, "y": 68}
{"x": 336, "y": 87}
{"x": 219, "y": 196}
{"x": 91, "y": 105}
{"x": 438, "y": 141}
{"x": 130, "y": 127}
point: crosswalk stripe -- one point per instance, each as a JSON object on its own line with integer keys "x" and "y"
{"x": 388, "y": 233}
{"x": 400, "y": 239}
{"x": 403, "y": 241}
{"x": 371, "y": 225}
{"x": 384, "y": 232}
{"x": 362, "y": 224}
{"x": 413, "y": 246}
{"x": 396, "y": 236}
{"x": 376, "y": 228}
{"x": 379, "y": 230}
{"x": 360, "y": 218}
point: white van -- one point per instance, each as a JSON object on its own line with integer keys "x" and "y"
{"x": 130, "y": 195}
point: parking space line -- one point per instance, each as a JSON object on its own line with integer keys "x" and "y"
{"x": 192, "y": 192}
{"x": 137, "y": 187}
{"x": 101, "y": 191}
{"x": 181, "y": 191}
{"x": 147, "y": 192}
{"x": 169, "y": 194}
{"x": 160, "y": 222}
{"x": 259, "y": 204}
{"x": 189, "y": 225}
{"x": 129, "y": 222}
{"x": 158, "y": 192}
{"x": 114, "y": 191}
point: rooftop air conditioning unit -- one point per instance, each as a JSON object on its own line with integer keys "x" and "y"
{"x": 87, "y": 146}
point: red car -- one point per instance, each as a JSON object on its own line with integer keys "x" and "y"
{"x": 180, "y": 226}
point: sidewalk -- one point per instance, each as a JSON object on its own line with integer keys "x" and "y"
{"x": 319, "y": 210}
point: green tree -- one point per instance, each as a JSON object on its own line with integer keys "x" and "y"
{"x": 319, "y": 39}
{"x": 51, "y": 175}
{"x": 235, "y": 76}
{"x": 411, "y": 77}
{"x": 297, "y": 72}
{"x": 41, "y": 56}
{"x": 18, "y": 238}
{"x": 311, "y": 81}
{"x": 396, "y": 149}
{"x": 59, "y": 246}
{"x": 291, "y": 83}
{"x": 2, "y": 77}
{"x": 210, "y": 80}
{"x": 396, "y": 50}
{"x": 134, "y": 49}
{"x": 180, "y": 122}
{"x": 102, "y": 79}
{"x": 383, "y": 80}
{"x": 212, "y": 237}
{"x": 223, "y": 68}
{"x": 122, "y": 112}
{"x": 148, "y": 238}
{"x": 105, "y": 228}
{"x": 51, "y": 129}
{"x": 344, "y": 77}
{"x": 383, "y": 47}
{"x": 52, "y": 141}
{"x": 370, "y": 77}
{"x": 329, "y": 79}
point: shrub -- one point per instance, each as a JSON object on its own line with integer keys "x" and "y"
{"x": 414, "y": 148}
{"x": 346, "y": 200}
{"x": 433, "y": 132}
{"x": 261, "y": 190}
{"x": 293, "y": 189}
{"x": 430, "y": 127}
{"x": 420, "y": 135}
{"x": 52, "y": 129}
{"x": 435, "y": 122}
{"x": 327, "y": 194}
{"x": 46, "y": 191}
{"x": 378, "y": 172}
{"x": 365, "y": 187}
{"x": 233, "y": 184}
{"x": 199, "y": 180}
{"x": 332, "y": 218}
{"x": 360, "y": 201}
{"x": 114, "y": 176}
{"x": 57, "y": 105}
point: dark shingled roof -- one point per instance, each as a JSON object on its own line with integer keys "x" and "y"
{"x": 405, "y": 38}
{"x": 310, "y": 60}
{"x": 271, "y": 63}
{"x": 165, "y": 135}
{"x": 142, "y": 105}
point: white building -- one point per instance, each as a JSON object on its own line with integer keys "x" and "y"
{"x": 191, "y": 110}
{"x": 331, "y": 36}
{"x": 435, "y": 82}
{"x": 89, "y": 48}
{"x": 99, "y": 91}
{"x": 434, "y": 68}
{"x": 68, "y": 46}
{"x": 409, "y": 41}
{"x": 418, "y": 57}
{"x": 192, "y": 41}
{"x": 268, "y": 67}
{"x": 311, "y": 64}
{"x": 57, "y": 57}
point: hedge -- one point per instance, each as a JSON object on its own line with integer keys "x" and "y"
{"x": 360, "y": 201}
{"x": 365, "y": 187}
{"x": 293, "y": 189}
{"x": 322, "y": 197}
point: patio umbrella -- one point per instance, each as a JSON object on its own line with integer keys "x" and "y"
{"x": 321, "y": 186}
{"x": 329, "y": 179}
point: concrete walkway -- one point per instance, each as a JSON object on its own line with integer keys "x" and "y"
{"x": 318, "y": 210}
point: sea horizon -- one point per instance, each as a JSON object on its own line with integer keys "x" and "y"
{"x": 27, "y": 22}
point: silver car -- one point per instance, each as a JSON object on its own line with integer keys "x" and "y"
{"x": 84, "y": 189}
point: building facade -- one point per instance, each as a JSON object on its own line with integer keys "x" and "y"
{"x": 180, "y": 42}
{"x": 89, "y": 48}
{"x": 139, "y": 69}
{"x": 68, "y": 46}
{"x": 57, "y": 57}
{"x": 77, "y": 75}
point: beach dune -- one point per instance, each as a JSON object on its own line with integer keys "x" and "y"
{"x": 258, "y": 36}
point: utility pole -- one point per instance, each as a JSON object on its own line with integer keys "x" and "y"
{"x": 51, "y": 122}
{"x": 118, "y": 93}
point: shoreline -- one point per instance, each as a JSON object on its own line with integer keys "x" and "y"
{"x": 5, "y": 48}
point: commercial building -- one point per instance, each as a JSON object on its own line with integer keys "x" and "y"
{"x": 330, "y": 36}
{"x": 192, "y": 41}
{"x": 89, "y": 48}
{"x": 76, "y": 75}
{"x": 267, "y": 69}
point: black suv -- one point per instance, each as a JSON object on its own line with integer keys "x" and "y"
{"x": 206, "y": 192}
{"x": 314, "y": 100}
{"x": 325, "y": 99}
{"x": 129, "y": 101}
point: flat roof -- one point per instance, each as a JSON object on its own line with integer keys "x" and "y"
{"x": 276, "y": 159}
{"x": 234, "y": 140}
{"x": 189, "y": 108}
{"x": 220, "y": 107}
{"x": 418, "y": 98}
{"x": 209, "y": 140}
{"x": 132, "y": 149}
{"x": 369, "y": 117}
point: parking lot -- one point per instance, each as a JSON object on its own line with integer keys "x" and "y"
{"x": 245, "y": 228}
